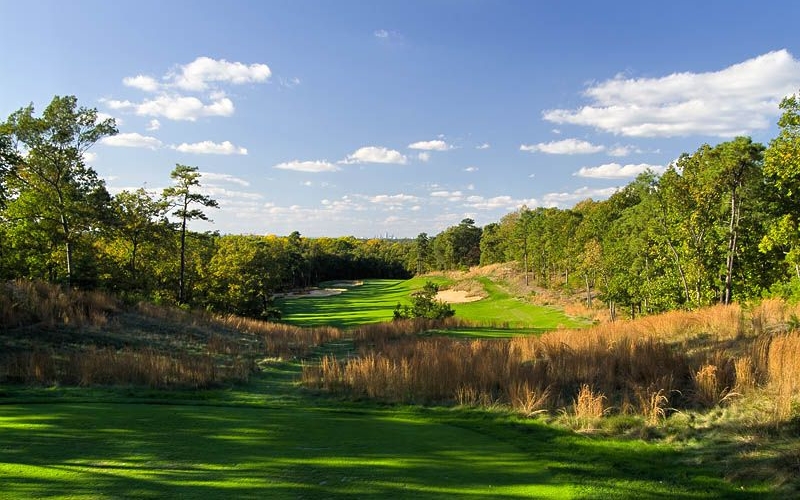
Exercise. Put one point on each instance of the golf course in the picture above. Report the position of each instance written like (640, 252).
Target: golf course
(270, 436)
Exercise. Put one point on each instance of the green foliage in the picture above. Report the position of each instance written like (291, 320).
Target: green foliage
(54, 196)
(182, 196)
(424, 304)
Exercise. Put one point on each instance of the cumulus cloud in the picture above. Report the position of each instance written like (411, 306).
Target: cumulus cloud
(732, 101)
(308, 166)
(213, 177)
(623, 150)
(485, 145)
(376, 154)
(101, 117)
(435, 145)
(504, 202)
(142, 82)
(203, 75)
(199, 74)
(211, 148)
(132, 140)
(580, 194)
(471, 169)
(176, 107)
(393, 199)
(424, 156)
(563, 147)
(381, 34)
(153, 125)
(448, 195)
(89, 157)
(617, 171)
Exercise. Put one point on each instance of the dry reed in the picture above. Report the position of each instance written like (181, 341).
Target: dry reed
(650, 366)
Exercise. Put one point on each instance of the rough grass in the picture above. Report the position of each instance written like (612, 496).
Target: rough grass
(716, 390)
(50, 336)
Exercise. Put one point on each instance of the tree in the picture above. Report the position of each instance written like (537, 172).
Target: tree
(422, 247)
(424, 305)
(738, 165)
(137, 217)
(782, 168)
(182, 196)
(51, 187)
(9, 159)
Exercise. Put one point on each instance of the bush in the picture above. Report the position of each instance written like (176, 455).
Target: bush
(424, 305)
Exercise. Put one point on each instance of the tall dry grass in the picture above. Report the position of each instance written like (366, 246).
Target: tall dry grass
(182, 348)
(651, 366)
(25, 302)
(140, 367)
(783, 364)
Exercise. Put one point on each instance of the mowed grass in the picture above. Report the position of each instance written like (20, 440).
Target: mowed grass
(501, 314)
(271, 440)
(371, 302)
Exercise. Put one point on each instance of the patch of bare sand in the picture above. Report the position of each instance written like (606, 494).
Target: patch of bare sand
(456, 296)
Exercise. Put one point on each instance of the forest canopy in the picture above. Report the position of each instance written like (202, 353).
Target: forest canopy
(719, 224)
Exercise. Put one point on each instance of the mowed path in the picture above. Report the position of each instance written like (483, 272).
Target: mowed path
(97, 450)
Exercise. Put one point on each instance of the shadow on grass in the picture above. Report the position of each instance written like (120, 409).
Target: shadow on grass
(310, 450)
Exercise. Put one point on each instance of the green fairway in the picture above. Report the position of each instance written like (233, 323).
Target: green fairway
(271, 440)
(371, 302)
(374, 301)
(502, 308)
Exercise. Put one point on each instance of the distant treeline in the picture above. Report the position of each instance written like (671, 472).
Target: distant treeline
(720, 224)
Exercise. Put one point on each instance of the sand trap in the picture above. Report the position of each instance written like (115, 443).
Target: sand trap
(334, 288)
(345, 284)
(456, 296)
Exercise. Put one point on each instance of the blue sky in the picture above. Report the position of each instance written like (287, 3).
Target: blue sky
(394, 118)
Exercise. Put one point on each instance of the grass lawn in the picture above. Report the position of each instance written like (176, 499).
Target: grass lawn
(375, 300)
(273, 440)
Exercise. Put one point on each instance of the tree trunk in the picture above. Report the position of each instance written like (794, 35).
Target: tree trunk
(588, 291)
(68, 248)
(732, 236)
(181, 282)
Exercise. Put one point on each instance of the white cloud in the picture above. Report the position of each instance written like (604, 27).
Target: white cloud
(142, 82)
(212, 177)
(448, 195)
(308, 166)
(132, 140)
(225, 196)
(564, 147)
(471, 169)
(89, 157)
(424, 156)
(289, 83)
(580, 194)
(485, 145)
(435, 145)
(375, 154)
(101, 117)
(617, 171)
(732, 101)
(393, 199)
(176, 107)
(205, 75)
(153, 125)
(381, 34)
(211, 148)
(199, 74)
(623, 150)
(498, 202)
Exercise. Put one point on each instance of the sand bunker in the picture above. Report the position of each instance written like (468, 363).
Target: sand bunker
(334, 288)
(456, 296)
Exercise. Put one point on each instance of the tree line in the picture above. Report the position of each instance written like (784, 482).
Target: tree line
(719, 224)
